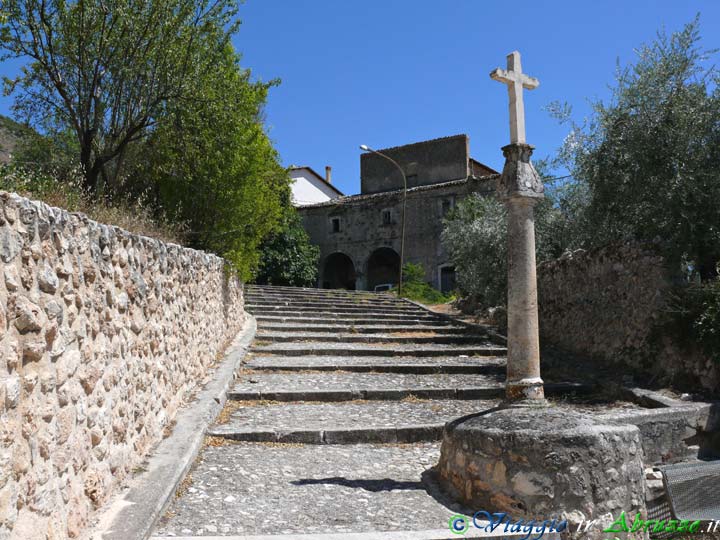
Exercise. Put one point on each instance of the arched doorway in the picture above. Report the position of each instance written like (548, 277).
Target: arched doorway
(383, 268)
(338, 272)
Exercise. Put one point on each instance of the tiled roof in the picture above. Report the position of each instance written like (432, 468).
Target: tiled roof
(350, 199)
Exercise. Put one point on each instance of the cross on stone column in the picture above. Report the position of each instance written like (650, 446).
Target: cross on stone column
(516, 80)
(520, 187)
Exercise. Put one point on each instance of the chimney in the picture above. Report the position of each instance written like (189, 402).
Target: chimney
(328, 174)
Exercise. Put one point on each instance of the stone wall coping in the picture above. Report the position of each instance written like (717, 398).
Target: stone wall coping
(132, 513)
(53, 211)
(699, 411)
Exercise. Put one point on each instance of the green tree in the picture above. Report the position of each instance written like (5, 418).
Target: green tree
(648, 162)
(214, 168)
(107, 70)
(475, 236)
(287, 256)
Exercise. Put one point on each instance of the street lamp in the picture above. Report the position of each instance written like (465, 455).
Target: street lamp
(366, 148)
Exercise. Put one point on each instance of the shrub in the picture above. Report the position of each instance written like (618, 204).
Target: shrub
(415, 288)
(287, 257)
(475, 236)
(697, 317)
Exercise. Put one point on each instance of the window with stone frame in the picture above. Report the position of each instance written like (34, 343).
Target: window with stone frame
(335, 225)
(387, 216)
(446, 205)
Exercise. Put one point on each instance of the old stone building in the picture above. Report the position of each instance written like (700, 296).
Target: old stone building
(359, 235)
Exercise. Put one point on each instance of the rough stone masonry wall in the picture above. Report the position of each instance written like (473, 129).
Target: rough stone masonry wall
(103, 334)
(607, 304)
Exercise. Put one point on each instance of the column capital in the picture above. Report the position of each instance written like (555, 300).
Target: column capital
(519, 178)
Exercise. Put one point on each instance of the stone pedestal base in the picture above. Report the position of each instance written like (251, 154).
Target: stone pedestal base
(544, 463)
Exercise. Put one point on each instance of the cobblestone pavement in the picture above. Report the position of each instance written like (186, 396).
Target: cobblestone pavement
(253, 381)
(350, 415)
(444, 364)
(380, 349)
(359, 329)
(244, 488)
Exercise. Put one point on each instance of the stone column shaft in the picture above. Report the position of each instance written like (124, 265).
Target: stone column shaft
(520, 187)
(523, 357)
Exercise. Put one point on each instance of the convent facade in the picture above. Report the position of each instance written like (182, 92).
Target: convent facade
(359, 235)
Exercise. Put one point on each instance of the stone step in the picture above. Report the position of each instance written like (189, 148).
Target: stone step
(280, 492)
(311, 306)
(356, 349)
(394, 337)
(308, 292)
(378, 364)
(352, 320)
(395, 310)
(348, 386)
(345, 316)
(272, 301)
(333, 306)
(440, 327)
(345, 422)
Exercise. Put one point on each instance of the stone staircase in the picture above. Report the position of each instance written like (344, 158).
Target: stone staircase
(416, 391)
(335, 419)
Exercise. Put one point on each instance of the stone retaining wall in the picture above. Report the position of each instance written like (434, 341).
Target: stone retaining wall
(607, 303)
(103, 335)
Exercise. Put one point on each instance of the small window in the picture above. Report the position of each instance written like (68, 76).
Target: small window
(386, 217)
(446, 205)
(335, 222)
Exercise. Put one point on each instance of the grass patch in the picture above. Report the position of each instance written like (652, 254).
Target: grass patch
(417, 289)
(68, 194)
(424, 294)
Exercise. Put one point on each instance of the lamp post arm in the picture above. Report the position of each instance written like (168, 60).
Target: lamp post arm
(402, 224)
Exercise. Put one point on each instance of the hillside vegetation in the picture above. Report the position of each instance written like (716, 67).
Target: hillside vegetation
(11, 136)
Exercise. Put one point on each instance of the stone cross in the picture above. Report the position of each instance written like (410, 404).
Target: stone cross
(520, 187)
(516, 80)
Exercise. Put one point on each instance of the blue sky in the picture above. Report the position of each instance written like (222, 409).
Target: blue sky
(391, 72)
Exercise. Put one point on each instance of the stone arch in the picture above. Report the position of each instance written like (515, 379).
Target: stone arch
(383, 267)
(338, 272)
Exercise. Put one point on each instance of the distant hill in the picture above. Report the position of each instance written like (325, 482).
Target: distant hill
(11, 133)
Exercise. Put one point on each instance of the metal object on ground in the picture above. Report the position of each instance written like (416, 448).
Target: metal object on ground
(692, 490)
